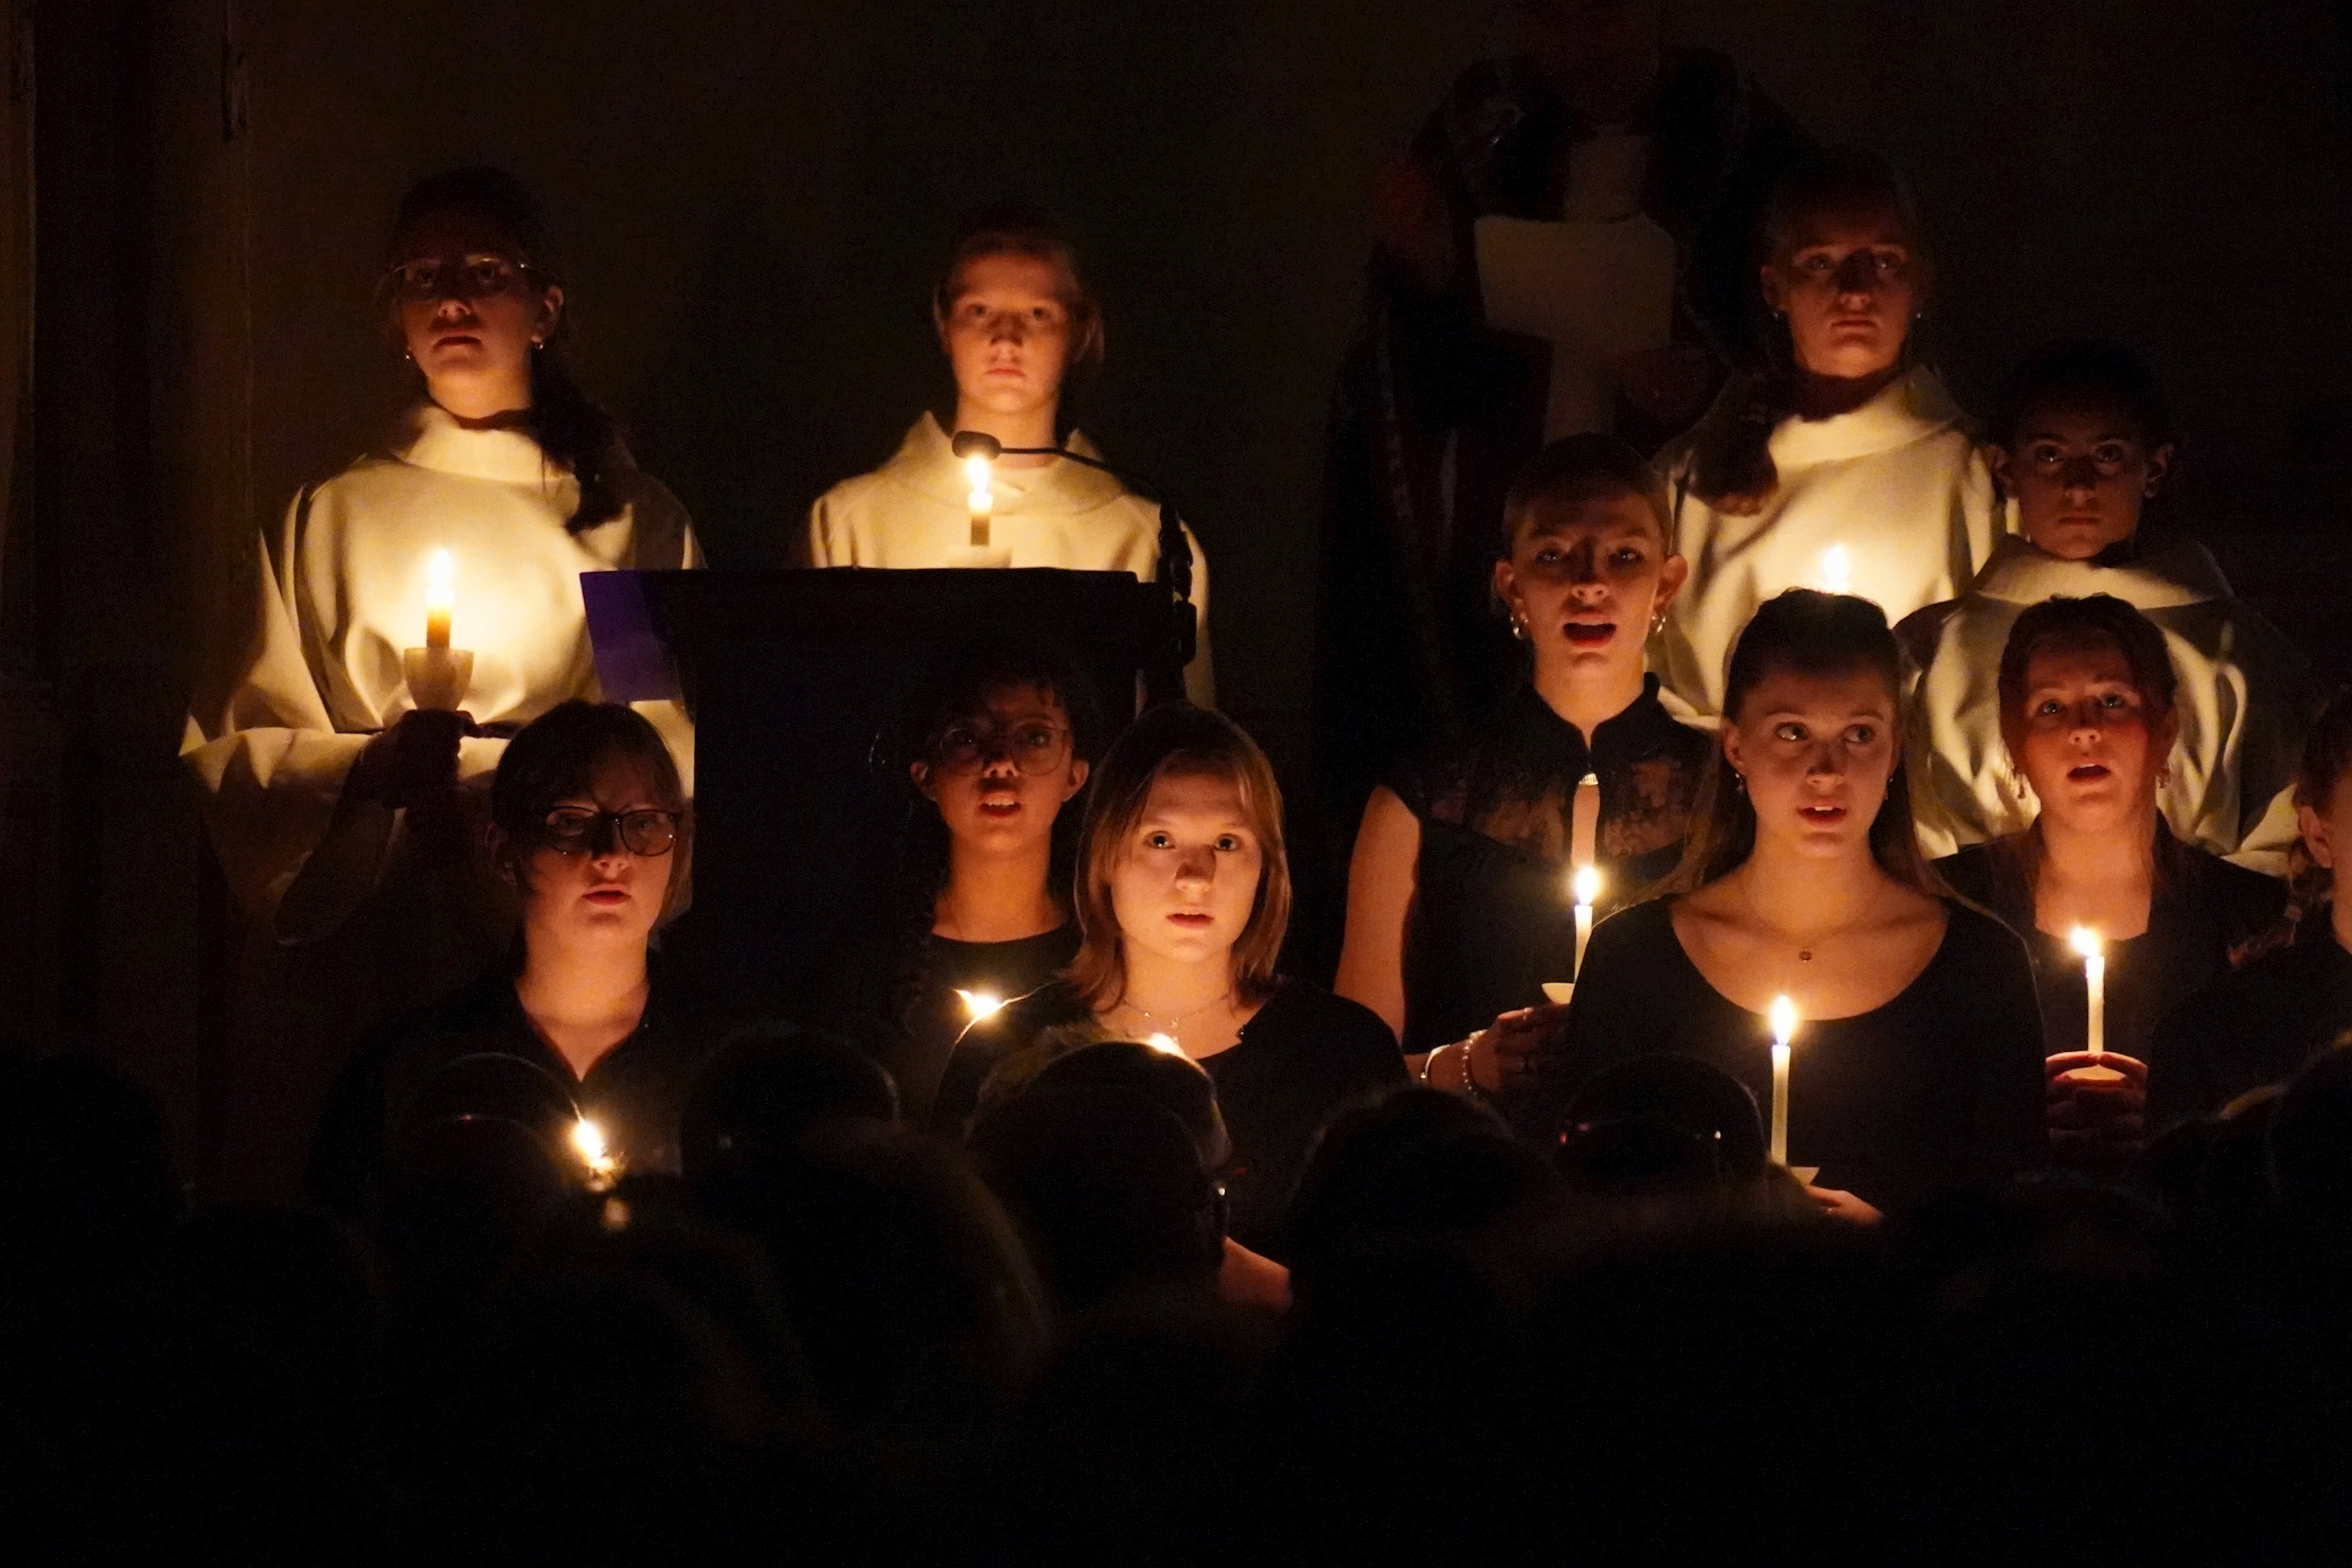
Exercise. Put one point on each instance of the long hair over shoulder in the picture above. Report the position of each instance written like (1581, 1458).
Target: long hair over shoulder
(572, 428)
(1802, 632)
(1731, 467)
(1177, 740)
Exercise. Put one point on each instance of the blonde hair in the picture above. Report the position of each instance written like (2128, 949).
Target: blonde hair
(1176, 741)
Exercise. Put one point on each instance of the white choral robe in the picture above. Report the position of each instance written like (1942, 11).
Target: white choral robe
(2241, 700)
(340, 943)
(915, 511)
(1899, 484)
(342, 593)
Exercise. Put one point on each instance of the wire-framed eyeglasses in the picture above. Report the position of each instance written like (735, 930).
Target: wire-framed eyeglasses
(476, 277)
(1033, 747)
(575, 830)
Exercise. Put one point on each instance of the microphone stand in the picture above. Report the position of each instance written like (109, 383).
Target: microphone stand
(1175, 570)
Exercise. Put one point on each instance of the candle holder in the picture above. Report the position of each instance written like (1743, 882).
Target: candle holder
(437, 677)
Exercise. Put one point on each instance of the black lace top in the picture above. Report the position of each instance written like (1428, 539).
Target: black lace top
(1493, 918)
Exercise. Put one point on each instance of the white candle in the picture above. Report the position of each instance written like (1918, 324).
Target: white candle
(982, 499)
(1837, 570)
(1783, 1015)
(1586, 887)
(440, 597)
(2094, 980)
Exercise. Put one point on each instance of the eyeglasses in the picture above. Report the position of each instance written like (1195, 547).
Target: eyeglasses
(1035, 749)
(476, 277)
(570, 830)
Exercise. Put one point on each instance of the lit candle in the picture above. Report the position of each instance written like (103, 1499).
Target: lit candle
(981, 1004)
(1585, 885)
(1783, 1014)
(2094, 980)
(983, 499)
(1164, 1043)
(588, 1140)
(1837, 570)
(439, 598)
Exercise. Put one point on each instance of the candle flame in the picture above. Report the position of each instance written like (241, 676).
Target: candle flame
(589, 1139)
(440, 574)
(1783, 1014)
(2084, 941)
(981, 1004)
(1164, 1043)
(979, 471)
(1585, 885)
(1837, 570)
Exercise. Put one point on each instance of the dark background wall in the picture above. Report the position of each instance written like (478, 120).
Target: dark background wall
(753, 195)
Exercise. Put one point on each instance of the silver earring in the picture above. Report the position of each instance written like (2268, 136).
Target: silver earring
(1519, 629)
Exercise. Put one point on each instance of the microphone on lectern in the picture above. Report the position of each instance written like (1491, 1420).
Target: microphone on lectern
(1175, 555)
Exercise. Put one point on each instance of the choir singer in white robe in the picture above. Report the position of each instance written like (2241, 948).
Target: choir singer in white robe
(347, 815)
(1844, 466)
(2082, 441)
(1014, 318)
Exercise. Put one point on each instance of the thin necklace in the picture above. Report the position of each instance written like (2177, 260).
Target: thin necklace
(1805, 945)
(1174, 1021)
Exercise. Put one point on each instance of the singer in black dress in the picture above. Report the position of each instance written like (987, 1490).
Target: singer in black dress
(1917, 1059)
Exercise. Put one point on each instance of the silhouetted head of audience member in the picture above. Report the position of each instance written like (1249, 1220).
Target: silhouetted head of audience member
(767, 1086)
(86, 1177)
(1166, 1077)
(1415, 1168)
(1661, 1127)
(2310, 1139)
(1106, 1183)
(909, 1286)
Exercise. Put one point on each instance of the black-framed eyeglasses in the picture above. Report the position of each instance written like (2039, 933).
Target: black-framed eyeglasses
(1034, 748)
(476, 277)
(575, 830)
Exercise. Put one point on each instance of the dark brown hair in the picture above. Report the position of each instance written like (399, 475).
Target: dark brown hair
(2326, 752)
(2083, 372)
(555, 758)
(570, 426)
(2099, 618)
(1582, 464)
(1011, 228)
(1177, 740)
(1811, 633)
(1731, 466)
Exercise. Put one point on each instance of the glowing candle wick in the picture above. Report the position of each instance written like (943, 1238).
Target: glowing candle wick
(981, 1004)
(588, 1139)
(1585, 885)
(1837, 570)
(982, 501)
(1783, 1015)
(440, 597)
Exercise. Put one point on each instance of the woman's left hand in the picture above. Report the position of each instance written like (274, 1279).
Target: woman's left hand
(1844, 1205)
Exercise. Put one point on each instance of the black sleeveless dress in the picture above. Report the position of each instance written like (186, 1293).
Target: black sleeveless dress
(1493, 917)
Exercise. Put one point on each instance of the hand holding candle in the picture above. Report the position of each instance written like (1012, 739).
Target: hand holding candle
(1783, 1017)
